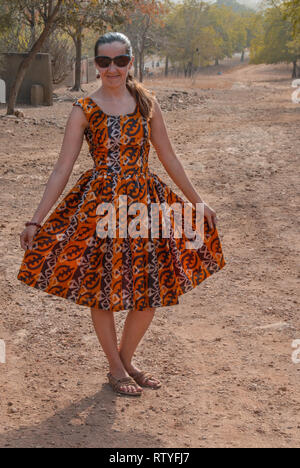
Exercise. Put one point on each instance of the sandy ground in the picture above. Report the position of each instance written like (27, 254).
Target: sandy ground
(224, 354)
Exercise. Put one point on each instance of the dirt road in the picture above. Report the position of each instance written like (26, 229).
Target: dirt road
(224, 354)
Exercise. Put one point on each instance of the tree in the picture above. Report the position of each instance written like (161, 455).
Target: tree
(187, 36)
(230, 31)
(199, 33)
(274, 42)
(60, 48)
(52, 12)
(291, 11)
(141, 28)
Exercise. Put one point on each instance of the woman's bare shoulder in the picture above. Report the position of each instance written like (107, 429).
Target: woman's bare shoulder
(80, 117)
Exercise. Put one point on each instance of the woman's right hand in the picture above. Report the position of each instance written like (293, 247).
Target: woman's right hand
(26, 237)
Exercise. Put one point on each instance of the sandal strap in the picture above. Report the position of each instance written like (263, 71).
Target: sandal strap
(144, 375)
(123, 380)
(126, 380)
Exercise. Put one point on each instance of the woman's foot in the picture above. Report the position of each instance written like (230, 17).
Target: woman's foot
(126, 387)
(144, 378)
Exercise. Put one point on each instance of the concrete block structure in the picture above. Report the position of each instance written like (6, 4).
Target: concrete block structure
(37, 83)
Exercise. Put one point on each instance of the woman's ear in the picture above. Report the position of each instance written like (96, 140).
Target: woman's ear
(98, 74)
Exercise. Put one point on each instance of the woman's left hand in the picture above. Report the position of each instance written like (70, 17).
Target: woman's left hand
(210, 215)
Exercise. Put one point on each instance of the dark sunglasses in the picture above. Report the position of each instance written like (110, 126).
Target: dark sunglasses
(120, 60)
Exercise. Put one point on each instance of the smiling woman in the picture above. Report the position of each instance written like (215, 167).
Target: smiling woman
(119, 87)
(65, 256)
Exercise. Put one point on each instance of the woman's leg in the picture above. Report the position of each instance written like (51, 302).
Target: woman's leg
(136, 324)
(104, 324)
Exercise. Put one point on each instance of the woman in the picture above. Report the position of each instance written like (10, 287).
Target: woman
(68, 256)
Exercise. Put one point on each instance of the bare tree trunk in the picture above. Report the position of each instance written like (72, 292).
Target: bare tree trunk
(142, 49)
(78, 45)
(140, 66)
(243, 55)
(24, 65)
(167, 66)
(294, 72)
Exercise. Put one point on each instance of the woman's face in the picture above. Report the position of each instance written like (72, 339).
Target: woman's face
(113, 76)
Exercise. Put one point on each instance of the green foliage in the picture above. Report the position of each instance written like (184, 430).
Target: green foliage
(273, 42)
(230, 30)
(7, 23)
(198, 32)
(186, 30)
(291, 12)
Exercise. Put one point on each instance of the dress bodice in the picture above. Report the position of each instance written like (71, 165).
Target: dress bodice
(118, 144)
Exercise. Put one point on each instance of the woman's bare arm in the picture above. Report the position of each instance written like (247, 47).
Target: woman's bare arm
(70, 150)
(160, 140)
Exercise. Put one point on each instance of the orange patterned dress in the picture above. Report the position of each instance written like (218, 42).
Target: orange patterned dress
(70, 259)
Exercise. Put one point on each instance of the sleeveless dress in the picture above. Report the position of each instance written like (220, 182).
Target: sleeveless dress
(70, 259)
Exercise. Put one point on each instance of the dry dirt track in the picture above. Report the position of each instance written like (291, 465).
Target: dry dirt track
(224, 353)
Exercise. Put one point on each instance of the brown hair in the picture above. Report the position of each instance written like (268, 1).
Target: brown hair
(143, 96)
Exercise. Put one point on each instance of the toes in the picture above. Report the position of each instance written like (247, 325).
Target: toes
(129, 388)
(154, 382)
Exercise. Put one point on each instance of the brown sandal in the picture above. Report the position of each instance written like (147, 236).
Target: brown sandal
(142, 377)
(116, 385)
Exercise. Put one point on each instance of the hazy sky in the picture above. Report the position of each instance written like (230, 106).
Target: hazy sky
(250, 3)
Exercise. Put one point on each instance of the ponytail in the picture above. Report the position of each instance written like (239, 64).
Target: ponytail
(142, 95)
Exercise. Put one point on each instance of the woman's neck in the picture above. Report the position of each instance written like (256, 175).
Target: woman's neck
(115, 95)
